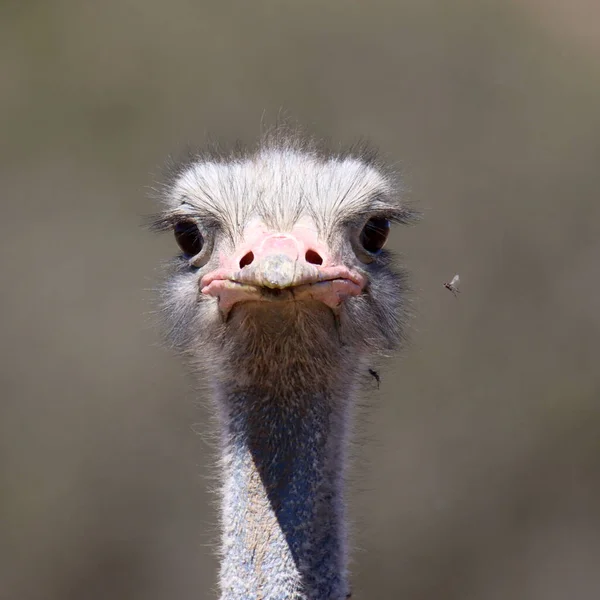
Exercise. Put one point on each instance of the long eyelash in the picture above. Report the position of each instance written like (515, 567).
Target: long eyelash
(167, 221)
(159, 222)
(404, 216)
(378, 229)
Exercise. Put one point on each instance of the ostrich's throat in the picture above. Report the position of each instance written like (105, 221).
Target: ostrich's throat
(282, 504)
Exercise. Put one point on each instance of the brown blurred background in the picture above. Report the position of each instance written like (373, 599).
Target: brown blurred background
(478, 465)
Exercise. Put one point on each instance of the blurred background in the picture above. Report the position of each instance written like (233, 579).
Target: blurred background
(477, 470)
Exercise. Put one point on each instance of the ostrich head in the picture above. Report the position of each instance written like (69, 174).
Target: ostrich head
(281, 298)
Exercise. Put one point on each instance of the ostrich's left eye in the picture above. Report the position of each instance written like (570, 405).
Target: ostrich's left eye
(374, 235)
(188, 237)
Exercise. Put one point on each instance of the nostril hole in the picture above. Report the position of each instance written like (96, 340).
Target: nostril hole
(246, 260)
(313, 258)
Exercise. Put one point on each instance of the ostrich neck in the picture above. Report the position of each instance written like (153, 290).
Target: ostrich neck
(282, 511)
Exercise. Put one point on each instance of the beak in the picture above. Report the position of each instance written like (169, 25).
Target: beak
(279, 267)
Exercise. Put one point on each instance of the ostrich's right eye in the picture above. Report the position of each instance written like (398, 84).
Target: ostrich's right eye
(188, 237)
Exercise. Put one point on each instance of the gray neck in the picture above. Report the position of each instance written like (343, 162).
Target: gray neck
(282, 511)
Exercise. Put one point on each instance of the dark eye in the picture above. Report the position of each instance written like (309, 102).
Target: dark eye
(374, 235)
(188, 237)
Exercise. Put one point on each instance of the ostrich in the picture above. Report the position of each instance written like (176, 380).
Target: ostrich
(281, 299)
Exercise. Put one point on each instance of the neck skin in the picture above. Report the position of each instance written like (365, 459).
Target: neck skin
(282, 506)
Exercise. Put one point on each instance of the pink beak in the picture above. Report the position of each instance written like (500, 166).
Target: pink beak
(295, 263)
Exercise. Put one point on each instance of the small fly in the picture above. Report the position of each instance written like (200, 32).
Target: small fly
(375, 376)
(453, 285)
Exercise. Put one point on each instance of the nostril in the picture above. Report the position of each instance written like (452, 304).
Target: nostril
(313, 258)
(246, 260)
